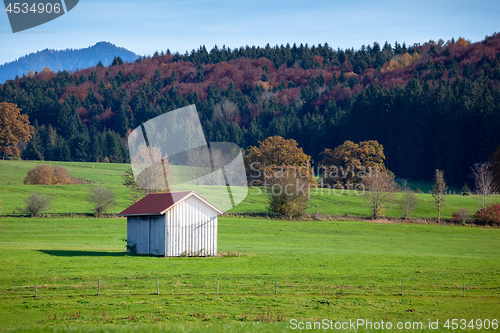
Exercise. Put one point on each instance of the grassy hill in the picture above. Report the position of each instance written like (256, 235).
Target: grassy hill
(66, 198)
(72, 198)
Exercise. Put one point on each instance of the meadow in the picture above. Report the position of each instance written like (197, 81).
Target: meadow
(338, 270)
(310, 260)
(72, 198)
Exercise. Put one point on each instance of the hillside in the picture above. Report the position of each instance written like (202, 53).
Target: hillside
(64, 60)
(435, 105)
(73, 198)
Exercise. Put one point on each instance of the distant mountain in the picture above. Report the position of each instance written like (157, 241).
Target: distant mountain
(68, 59)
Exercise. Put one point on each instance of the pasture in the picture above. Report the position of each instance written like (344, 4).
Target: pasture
(272, 271)
(310, 260)
(72, 198)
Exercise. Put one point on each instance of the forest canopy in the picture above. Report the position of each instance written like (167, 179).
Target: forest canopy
(431, 106)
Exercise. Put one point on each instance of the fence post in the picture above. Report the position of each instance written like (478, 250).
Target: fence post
(157, 288)
(402, 288)
(98, 287)
(276, 288)
(464, 291)
(217, 287)
(36, 291)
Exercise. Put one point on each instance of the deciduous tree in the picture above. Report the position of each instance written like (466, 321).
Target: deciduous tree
(276, 154)
(379, 187)
(408, 203)
(14, 127)
(484, 181)
(287, 192)
(152, 177)
(438, 192)
(35, 204)
(350, 162)
(102, 199)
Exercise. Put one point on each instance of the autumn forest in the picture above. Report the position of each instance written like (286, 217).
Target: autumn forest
(435, 105)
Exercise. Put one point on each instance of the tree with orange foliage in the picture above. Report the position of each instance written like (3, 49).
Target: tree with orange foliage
(14, 127)
(349, 163)
(276, 154)
(462, 42)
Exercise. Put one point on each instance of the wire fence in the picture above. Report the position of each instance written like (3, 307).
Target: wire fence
(227, 288)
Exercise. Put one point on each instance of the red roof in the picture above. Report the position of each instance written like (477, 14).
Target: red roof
(155, 203)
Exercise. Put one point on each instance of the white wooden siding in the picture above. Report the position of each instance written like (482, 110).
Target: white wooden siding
(187, 229)
(191, 229)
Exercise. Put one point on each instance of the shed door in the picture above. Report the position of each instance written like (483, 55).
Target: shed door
(157, 236)
(142, 235)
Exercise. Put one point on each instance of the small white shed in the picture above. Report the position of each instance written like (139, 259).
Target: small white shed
(172, 225)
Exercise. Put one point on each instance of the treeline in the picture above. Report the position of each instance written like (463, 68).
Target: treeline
(431, 106)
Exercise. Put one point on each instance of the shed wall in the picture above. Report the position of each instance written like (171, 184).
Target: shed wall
(138, 234)
(147, 233)
(157, 235)
(191, 229)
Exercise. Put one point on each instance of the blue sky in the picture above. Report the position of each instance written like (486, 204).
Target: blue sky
(144, 26)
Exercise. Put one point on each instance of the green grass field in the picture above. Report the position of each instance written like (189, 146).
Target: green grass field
(309, 260)
(72, 198)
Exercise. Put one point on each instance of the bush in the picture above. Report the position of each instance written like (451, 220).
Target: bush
(287, 192)
(462, 216)
(39, 175)
(61, 176)
(46, 175)
(488, 216)
(465, 190)
(408, 203)
(102, 198)
(36, 204)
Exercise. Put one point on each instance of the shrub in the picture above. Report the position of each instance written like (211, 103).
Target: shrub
(465, 190)
(461, 216)
(39, 175)
(131, 247)
(46, 175)
(35, 204)
(287, 192)
(61, 176)
(102, 199)
(488, 216)
(408, 203)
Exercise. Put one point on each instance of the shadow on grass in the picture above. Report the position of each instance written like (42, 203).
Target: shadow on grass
(67, 253)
